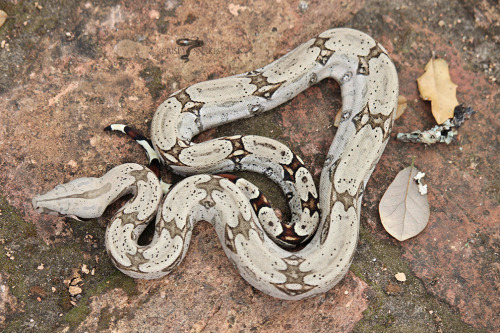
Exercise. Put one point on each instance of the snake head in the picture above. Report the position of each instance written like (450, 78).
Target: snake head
(81, 197)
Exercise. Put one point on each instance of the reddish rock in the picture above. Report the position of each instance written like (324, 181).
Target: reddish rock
(63, 82)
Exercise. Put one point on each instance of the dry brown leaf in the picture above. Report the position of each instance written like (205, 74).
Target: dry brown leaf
(338, 116)
(402, 105)
(435, 85)
(85, 269)
(403, 210)
(392, 288)
(3, 17)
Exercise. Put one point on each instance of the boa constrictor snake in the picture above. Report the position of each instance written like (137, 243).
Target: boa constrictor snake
(245, 224)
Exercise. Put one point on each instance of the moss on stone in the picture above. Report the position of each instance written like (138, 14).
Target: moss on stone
(104, 319)
(412, 310)
(116, 280)
(152, 76)
(22, 253)
(76, 315)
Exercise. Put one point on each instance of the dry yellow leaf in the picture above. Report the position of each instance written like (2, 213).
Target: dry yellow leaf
(435, 85)
(3, 17)
(74, 290)
(401, 277)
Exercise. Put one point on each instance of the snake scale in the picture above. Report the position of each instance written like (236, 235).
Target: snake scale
(324, 223)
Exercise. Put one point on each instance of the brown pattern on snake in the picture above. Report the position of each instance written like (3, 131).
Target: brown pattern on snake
(175, 151)
(171, 227)
(183, 97)
(130, 218)
(264, 88)
(239, 150)
(242, 228)
(311, 203)
(140, 175)
(374, 120)
(291, 169)
(363, 64)
(294, 276)
(324, 53)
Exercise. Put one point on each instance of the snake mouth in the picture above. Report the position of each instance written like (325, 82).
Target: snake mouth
(38, 206)
(42, 210)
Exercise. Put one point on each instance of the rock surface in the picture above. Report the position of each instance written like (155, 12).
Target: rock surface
(68, 69)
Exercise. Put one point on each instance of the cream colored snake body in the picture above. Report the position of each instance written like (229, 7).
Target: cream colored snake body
(246, 226)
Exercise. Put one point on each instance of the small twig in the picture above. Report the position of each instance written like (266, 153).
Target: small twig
(439, 133)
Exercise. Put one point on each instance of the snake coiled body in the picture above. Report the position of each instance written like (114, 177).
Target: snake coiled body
(254, 241)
